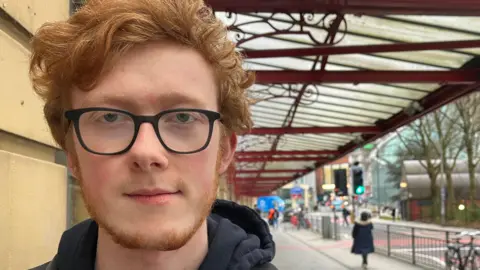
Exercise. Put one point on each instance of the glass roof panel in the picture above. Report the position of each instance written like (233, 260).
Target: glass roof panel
(240, 175)
(285, 63)
(419, 86)
(396, 30)
(320, 91)
(346, 110)
(352, 119)
(458, 23)
(370, 62)
(379, 90)
(335, 104)
(351, 102)
(435, 58)
(276, 175)
(292, 165)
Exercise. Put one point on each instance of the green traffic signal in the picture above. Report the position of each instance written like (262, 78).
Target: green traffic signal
(360, 190)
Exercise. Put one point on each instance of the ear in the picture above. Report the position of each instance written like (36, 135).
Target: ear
(228, 145)
(72, 164)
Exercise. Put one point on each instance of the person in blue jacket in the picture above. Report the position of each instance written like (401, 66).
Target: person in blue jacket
(363, 237)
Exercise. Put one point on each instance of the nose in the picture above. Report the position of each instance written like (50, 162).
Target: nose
(147, 153)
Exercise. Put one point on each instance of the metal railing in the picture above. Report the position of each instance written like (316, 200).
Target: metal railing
(418, 245)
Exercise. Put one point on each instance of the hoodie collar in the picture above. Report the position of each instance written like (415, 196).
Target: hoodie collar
(238, 238)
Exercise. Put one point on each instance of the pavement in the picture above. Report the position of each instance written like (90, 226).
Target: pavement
(430, 239)
(306, 250)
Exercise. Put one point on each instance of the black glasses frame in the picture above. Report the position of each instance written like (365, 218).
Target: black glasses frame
(138, 120)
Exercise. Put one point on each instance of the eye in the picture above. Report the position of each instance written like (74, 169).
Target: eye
(110, 117)
(184, 117)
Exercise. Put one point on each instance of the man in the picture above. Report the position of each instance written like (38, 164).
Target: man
(146, 97)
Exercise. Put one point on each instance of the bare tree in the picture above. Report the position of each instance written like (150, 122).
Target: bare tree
(449, 145)
(469, 122)
(417, 141)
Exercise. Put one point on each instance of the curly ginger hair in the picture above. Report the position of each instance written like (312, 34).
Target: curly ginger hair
(79, 51)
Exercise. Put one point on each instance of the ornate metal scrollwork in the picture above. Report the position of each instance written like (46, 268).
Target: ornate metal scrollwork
(273, 91)
(310, 96)
(248, 142)
(286, 24)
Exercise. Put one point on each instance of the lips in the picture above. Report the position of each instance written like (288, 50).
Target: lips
(151, 192)
(153, 196)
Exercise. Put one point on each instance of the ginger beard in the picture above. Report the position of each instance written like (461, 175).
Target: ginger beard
(174, 238)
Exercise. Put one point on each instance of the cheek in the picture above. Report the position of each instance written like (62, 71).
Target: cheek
(199, 170)
(95, 172)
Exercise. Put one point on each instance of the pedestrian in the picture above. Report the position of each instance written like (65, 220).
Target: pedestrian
(271, 213)
(346, 215)
(393, 213)
(363, 237)
(276, 215)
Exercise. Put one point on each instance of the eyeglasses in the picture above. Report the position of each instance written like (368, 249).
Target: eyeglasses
(106, 131)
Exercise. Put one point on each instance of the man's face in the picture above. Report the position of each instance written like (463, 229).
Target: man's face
(147, 80)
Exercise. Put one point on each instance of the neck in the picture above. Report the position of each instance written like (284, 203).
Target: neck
(111, 255)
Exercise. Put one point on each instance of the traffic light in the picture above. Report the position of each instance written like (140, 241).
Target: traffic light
(360, 190)
(357, 175)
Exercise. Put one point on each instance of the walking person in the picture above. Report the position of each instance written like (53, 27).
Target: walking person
(346, 215)
(276, 215)
(271, 217)
(363, 238)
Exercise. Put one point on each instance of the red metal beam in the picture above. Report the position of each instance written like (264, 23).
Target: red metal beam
(314, 130)
(261, 179)
(367, 7)
(272, 171)
(288, 153)
(399, 76)
(258, 189)
(273, 159)
(250, 194)
(362, 49)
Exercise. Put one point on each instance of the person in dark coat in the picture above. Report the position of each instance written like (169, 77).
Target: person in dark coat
(363, 237)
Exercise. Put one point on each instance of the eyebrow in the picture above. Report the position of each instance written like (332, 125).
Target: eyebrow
(163, 101)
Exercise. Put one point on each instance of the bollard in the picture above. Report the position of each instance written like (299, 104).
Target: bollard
(326, 227)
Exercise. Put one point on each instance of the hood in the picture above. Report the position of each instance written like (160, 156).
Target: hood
(238, 238)
(363, 223)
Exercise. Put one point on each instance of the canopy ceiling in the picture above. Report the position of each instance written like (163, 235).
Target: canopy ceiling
(335, 75)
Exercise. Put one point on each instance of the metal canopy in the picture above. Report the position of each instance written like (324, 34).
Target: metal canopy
(333, 75)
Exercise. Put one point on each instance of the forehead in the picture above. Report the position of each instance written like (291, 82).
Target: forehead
(156, 76)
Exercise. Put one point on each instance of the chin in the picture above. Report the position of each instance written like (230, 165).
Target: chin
(160, 236)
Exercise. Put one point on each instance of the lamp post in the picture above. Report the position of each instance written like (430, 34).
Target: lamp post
(442, 185)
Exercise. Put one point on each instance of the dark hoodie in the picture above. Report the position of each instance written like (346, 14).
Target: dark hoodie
(238, 239)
